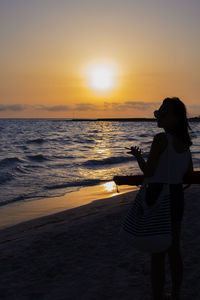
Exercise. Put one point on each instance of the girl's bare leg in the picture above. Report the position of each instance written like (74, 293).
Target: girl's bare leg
(175, 261)
(157, 275)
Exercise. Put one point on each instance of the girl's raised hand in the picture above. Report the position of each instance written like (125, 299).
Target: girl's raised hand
(134, 151)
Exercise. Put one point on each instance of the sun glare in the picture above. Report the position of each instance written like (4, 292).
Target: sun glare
(110, 186)
(101, 77)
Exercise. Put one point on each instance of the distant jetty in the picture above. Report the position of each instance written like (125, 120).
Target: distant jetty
(194, 119)
(119, 119)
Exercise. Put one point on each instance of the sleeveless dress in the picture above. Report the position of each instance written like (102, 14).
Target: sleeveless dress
(177, 165)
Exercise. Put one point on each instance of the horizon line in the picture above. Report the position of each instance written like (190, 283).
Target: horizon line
(196, 118)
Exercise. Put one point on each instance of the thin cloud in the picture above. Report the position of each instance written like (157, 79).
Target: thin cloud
(141, 105)
(85, 106)
(192, 109)
(53, 108)
(13, 107)
(138, 105)
(79, 106)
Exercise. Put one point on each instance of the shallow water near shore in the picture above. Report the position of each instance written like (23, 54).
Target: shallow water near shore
(23, 211)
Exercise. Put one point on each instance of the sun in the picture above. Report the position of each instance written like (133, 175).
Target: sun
(101, 77)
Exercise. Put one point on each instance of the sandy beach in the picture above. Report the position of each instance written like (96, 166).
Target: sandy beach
(77, 254)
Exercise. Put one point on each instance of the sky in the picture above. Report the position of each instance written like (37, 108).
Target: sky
(96, 59)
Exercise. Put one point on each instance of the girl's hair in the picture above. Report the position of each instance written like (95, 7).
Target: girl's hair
(181, 129)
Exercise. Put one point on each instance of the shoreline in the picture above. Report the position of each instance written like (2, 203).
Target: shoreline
(23, 211)
(67, 217)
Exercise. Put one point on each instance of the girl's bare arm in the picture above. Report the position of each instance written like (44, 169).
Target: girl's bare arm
(155, 151)
(148, 167)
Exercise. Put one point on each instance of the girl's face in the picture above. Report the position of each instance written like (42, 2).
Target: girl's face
(165, 117)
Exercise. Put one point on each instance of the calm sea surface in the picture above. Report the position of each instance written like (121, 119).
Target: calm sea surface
(46, 158)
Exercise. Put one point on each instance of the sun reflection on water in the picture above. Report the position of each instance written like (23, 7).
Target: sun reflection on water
(109, 186)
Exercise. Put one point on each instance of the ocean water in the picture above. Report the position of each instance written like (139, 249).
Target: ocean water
(46, 158)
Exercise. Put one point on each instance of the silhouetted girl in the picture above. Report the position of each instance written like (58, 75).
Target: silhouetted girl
(172, 117)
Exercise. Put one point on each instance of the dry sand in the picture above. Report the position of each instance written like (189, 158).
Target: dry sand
(77, 254)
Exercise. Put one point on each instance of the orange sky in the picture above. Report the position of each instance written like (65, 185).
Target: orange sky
(152, 48)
